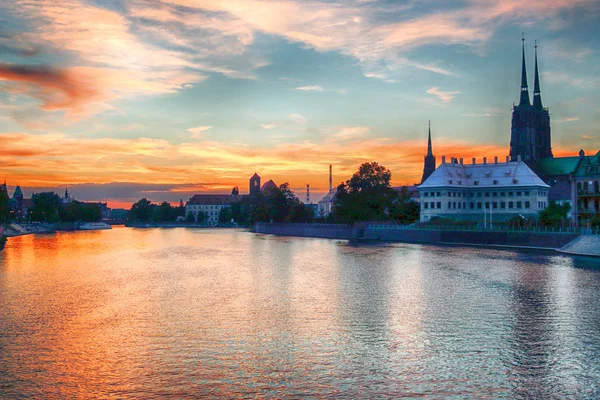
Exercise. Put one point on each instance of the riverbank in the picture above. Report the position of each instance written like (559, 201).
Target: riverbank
(492, 239)
(177, 225)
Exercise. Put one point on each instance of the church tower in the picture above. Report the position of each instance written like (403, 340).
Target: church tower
(542, 118)
(530, 132)
(254, 184)
(429, 164)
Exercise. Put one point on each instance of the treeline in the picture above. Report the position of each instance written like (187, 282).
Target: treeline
(277, 204)
(369, 196)
(146, 211)
(48, 207)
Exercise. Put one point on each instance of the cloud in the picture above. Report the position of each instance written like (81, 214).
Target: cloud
(569, 119)
(478, 115)
(57, 89)
(297, 118)
(268, 126)
(443, 96)
(312, 88)
(348, 133)
(586, 137)
(198, 131)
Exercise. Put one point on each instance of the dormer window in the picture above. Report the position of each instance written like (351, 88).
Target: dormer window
(495, 181)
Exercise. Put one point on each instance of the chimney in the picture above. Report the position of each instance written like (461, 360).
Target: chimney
(461, 161)
(507, 159)
(443, 159)
(307, 193)
(485, 160)
(495, 159)
(519, 158)
(330, 179)
(474, 161)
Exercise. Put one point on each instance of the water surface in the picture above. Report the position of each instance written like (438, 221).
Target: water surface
(134, 313)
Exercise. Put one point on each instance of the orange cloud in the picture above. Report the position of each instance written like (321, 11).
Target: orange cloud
(56, 159)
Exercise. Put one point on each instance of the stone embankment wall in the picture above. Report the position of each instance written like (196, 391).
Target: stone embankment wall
(328, 231)
(425, 236)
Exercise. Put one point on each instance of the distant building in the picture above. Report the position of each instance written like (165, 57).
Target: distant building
(211, 204)
(268, 185)
(473, 192)
(429, 162)
(254, 184)
(327, 203)
(67, 197)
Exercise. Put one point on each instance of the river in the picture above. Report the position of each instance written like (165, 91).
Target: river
(183, 313)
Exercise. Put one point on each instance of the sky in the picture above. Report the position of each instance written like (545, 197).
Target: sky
(123, 99)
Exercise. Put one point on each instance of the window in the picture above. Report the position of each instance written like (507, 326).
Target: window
(439, 204)
(503, 194)
(478, 194)
(495, 181)
(425, 194)
(471, 205)
(487, 194)
(526, 193)
(527, 204)
(432, 205)
(459, 205)
(518, 193)
(495, 204)
(502, 204)
(487, 205)
(439, 193)
(449, 205)
(495, 194)
(510, 204)
(519, 204)
(479, 206)
(475, 183)
(510, 193)
(426, 205)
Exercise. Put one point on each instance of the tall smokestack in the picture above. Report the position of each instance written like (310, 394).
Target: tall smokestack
(330, 179)
(307, 193)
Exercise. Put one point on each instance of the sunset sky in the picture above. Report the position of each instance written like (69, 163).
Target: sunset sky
(125, 99)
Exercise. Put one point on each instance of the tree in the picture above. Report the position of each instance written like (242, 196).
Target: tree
(201, 217)
(45, 207)
(163, 212)
(300, 213)
(403, 209)
(235, 191)
(554, 214)
(367, 196)
(4, 206)
(190, 217)
(225, 215)
(141, 211)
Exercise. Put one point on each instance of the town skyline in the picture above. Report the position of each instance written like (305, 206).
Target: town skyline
(134, 97)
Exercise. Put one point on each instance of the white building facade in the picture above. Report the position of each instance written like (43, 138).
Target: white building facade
(211, 204)
(482, 192)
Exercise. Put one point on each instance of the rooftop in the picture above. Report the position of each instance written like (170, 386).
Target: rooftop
(213, 199)
(504, 174)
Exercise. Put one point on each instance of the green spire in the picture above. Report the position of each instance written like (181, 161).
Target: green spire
(524, 89)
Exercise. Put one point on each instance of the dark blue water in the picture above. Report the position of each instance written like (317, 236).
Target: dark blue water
(219, 313)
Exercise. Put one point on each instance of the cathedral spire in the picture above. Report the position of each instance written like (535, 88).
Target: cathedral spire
(537, 96)
(429, 148)
(524, 89)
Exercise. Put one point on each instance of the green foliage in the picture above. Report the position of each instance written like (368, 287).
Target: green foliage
(190, 217)
(76, 211)
(163, 213)
(4, 207)
(142, 211)
(300, 213)
(201, 217)
(225, 215)
(46, 206)
(555, 214)
(367, 196)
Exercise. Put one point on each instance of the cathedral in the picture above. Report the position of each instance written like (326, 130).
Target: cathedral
(530, 130)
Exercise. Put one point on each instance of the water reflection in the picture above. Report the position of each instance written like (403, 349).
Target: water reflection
(136, 313)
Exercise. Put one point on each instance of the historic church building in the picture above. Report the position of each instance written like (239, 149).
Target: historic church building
(530, 131)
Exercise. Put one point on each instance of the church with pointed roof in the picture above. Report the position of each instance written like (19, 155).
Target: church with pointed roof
(530, 131)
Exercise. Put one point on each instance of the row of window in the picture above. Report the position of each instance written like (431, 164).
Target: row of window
(205, 207)
(484, 194)
(454, 205)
